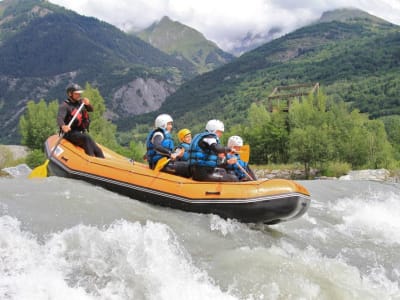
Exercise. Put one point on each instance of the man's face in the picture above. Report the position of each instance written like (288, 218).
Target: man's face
(75, 96)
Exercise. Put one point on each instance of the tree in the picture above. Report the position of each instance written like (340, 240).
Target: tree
(102, 130)
(392, 127)
(266, 133)
(38, 123)
(323, 130)
(380, 151)
(309, 145)
(310, 129)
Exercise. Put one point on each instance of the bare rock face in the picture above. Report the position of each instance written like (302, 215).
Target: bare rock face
(140, 96)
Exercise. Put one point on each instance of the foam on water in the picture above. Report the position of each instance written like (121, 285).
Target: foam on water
(70, 240)
(374, 215)
(123, 261)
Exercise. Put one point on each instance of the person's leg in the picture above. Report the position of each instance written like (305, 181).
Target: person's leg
(86, 142)
(96, 149)
(200, 173)
(79, 139)
(180, 168)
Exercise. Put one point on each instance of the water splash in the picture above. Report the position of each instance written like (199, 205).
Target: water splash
(123, 261)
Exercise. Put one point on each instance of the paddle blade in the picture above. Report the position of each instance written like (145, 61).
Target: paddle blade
(40, 171)
(162, 162)
(245, 153)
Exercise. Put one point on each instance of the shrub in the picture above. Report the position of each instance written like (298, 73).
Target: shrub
(35, 158)
(336, 169)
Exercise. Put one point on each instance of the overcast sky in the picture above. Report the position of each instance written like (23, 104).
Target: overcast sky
(225, 21)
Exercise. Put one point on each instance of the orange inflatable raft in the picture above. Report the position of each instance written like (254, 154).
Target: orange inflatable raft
(260, 201)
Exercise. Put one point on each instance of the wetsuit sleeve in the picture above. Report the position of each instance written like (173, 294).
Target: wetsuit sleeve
(62, 113)
(218, 148)
(157, 140)
(211, 143)
(89, 107)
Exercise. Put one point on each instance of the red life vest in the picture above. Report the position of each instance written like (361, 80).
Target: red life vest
(82, 121)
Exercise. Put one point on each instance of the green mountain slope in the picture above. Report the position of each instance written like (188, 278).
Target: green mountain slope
(43, 47)
(184, 42)
(45, 39)
(353, 56)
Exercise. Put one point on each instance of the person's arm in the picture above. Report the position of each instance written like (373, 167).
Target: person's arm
(157, 140)
(212, 144)
(88, 106)
(62, 113)
(218, 148)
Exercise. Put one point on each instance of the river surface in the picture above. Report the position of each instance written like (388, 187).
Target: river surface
(66, 239)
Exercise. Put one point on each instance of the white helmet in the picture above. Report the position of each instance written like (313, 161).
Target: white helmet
(162, 121)
(235, 140)
(214, 125)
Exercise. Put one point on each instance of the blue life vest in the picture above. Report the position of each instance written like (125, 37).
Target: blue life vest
(202, 157)
(186, 155)
(152, 155)
(239, 173)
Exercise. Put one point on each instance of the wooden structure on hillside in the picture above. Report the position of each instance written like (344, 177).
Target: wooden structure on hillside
(282, 97)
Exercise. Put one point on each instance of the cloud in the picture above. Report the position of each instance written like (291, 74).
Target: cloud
(226, 22)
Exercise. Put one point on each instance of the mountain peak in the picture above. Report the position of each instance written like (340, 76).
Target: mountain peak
(349, 15)
(186, 43)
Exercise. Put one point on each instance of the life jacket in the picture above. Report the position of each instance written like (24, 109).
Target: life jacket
(239, 173)
(185, 146)
(202, 157)
(82, 121)
(152, 155)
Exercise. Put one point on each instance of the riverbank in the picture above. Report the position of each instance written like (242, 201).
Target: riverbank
(18, 152)
(298, 174)
(10, 156)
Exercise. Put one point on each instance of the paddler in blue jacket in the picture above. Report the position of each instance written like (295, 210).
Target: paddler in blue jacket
(208, 156)
(159, 144)
(238, 166)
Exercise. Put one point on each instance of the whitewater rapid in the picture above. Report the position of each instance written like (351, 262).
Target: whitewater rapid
(66, 239)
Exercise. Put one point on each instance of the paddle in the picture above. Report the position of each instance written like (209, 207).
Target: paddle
(41, 171)
(161, 163)
(244, 153)
(244, 171)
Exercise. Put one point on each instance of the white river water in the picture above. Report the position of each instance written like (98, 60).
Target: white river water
(66, 239)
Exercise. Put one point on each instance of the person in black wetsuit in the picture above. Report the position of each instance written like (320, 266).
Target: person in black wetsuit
(76, 134)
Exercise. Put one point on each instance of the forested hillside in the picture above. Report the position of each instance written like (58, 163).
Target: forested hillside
(349, 122)
(354, 57)
(43, 47)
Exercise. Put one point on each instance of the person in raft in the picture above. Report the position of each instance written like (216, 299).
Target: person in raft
(159, 144)
(207, 156)
(185, 138)
(77, 133)
(240, 167)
